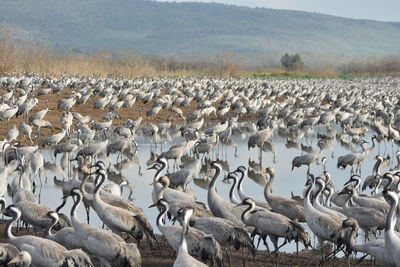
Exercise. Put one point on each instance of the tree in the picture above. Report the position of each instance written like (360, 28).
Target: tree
(292, 62)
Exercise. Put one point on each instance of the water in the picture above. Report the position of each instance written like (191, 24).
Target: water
(286, 182)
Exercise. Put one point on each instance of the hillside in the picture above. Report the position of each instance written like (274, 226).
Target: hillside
(198, 30)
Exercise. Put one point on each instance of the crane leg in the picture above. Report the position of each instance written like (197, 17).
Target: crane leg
(227, 254)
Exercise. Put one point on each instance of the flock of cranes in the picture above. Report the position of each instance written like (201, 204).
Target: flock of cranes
(97, 128)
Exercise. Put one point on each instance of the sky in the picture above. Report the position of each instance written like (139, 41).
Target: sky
(382, 10)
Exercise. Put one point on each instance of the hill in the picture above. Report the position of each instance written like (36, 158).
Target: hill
(199, 30)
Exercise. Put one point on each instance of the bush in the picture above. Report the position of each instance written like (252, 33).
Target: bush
(292, 62)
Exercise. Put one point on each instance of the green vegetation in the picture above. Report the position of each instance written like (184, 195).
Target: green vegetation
(292, 62)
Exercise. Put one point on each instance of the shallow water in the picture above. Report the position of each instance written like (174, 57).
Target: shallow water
(286, 181)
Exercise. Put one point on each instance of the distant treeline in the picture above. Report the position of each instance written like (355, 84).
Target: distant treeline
(17, 56)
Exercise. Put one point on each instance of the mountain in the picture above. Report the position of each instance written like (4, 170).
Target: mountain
(198, 30)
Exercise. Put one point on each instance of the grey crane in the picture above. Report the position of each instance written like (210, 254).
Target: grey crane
(55, 138)
(8, 114)
(259, 138)
(306, 159)
(40, 114)
(44, 252)
(39, 123)
(199, 244)
(218, 206)
(26, 129)
(169, 194)
(119, 220)
(65, 104)
(184, 176)
(243, 171)
(226, 232)
(12, 134)
(352, 159)
(392, 241)
(285, 206)
(200, 209)
(65, 236)
(375, 248)
(108, 247)
(324, 226)
(274, 224)
(184, 259)
(101, 103)
(36, 163)
(368, 218)
(368, 202)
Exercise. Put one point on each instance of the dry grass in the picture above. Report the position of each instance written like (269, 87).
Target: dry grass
(17, 56)
(389, 65)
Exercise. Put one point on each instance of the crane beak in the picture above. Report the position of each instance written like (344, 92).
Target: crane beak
(175, 218)
(2, 211)
(14, 260)
(151, 206)
(348, 182)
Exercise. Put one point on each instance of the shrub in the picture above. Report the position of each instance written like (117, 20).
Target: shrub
(292, 62)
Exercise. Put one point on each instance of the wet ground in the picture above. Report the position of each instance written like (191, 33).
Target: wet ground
(162, 255)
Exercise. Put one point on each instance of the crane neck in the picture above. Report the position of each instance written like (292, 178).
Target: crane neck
(75, 206)
(20, 184)
(375, 191)
(158, 173)
(378, 163)
(183, 244)
(348, 201)
(62, 205)
(307, 195)
(214, 179)
(250, 208)
(318, 194)
(82, 187)
(185, 230)
(162, 214)
(391, 218)
(164, 188)
(268, 186)
(328, 199)
(356, 185)
(353, 235)
(49, 227)
(389, 182)
(240, 184)
(100, 183)
(15, 218)
(232, 193)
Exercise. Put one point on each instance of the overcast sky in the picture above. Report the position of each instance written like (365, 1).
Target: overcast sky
(383, 10)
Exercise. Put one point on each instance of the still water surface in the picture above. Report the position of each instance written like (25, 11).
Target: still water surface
(286, 181)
